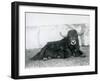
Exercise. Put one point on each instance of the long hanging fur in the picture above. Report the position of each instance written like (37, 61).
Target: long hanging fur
(39, 55)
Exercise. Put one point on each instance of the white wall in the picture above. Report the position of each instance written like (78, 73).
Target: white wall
(5, 40)
(42, 28)
(38, 36)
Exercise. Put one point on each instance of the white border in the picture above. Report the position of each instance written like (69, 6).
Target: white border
(37, 71)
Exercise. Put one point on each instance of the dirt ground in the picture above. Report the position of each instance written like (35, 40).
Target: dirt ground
(71, 61)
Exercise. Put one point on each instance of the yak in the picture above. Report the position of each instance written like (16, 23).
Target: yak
(64, 48)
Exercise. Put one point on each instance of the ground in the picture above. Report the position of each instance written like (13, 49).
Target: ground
(72, 61)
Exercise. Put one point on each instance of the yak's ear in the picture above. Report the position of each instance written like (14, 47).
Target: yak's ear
(67, 40)
(68, 37)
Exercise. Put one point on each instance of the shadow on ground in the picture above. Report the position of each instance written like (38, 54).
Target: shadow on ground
(72, 61)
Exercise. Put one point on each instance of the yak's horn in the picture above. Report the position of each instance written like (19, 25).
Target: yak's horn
(80, 34)
(61, 35)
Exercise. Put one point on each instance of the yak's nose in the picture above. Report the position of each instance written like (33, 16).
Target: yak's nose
(73, 42)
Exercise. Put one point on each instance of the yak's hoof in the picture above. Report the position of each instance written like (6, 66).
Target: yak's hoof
(45, 59)
(58, 56)
(49, 57)
(83, 55)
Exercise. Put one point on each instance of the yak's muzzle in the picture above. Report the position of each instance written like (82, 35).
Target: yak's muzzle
(73, 42)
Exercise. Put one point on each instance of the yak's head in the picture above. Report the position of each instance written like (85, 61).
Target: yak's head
(72, 37)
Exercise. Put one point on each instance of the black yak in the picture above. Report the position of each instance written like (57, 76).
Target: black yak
(68, 46)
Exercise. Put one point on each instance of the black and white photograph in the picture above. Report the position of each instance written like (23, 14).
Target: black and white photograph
(57, 40)
(51, 40)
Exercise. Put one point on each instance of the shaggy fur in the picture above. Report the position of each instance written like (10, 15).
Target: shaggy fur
(73, 43)
(68, 46)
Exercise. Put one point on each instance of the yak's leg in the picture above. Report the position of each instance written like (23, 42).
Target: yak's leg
(48, 54)
(79, 53)
(67, 53)
(60, 55)
(45, 55)
(82, 54)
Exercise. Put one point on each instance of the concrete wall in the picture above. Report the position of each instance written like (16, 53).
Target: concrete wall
(38, 36)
